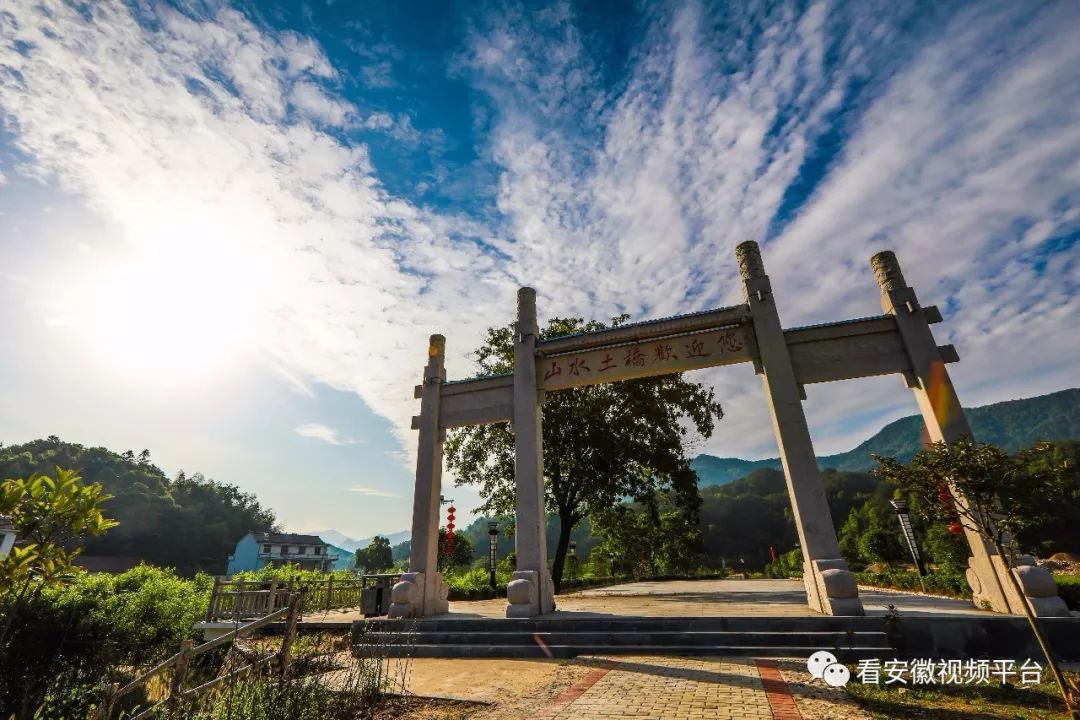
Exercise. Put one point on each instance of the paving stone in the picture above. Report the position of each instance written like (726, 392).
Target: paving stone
(664, 688)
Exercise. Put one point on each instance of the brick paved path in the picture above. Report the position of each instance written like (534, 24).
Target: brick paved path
(682, 688)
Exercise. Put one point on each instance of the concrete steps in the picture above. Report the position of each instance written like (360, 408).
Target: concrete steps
(853, 638)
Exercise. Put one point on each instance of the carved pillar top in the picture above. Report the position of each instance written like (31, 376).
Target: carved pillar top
(436, 357)
(436, 346)
(526, 312)
(887, 270)
(749, 256)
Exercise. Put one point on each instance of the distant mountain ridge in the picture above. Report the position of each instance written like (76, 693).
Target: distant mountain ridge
(1012, 424)
(343, 541)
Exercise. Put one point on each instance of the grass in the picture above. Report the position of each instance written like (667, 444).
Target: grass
(1069, 588)
(960, 702)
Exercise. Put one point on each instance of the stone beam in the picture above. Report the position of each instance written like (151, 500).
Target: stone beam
(648, 358)
(644, 331)
(845, 350)
(477, 402)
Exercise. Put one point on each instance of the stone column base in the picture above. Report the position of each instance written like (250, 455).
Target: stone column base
(418, 594)
(529, 594)
(1040, 591)
(831, 588)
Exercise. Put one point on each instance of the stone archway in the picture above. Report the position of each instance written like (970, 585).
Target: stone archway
(897, 342)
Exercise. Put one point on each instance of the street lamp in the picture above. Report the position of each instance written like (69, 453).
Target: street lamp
(573, 548)
(901, 508)
(493, 535)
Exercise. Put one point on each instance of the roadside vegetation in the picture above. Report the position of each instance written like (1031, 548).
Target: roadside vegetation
(960, 702)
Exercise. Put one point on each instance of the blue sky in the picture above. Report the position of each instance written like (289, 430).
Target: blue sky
(226, 230)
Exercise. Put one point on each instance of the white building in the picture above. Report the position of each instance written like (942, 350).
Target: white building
(7, 537)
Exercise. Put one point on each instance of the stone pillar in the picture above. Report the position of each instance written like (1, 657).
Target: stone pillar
(422, 590)
(946, 422)
(830, 586)
(531, 591)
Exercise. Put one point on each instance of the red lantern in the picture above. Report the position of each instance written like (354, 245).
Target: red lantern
(450, 530)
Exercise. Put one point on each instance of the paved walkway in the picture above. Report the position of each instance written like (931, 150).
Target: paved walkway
(699, 598)
(662, 688)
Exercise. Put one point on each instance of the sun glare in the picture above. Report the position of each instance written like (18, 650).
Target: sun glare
(179, 308)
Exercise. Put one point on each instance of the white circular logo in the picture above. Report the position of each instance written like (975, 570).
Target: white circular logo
(819, 661)
(837, 675)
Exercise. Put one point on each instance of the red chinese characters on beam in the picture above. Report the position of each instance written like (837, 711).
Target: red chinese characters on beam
(696, 349)
(671, 354)
(577, 365)
(730, 341)
(662, 351)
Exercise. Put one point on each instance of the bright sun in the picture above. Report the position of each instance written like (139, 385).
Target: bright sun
(177, 310)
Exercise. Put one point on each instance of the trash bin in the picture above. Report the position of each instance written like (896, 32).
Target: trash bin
(371, 601)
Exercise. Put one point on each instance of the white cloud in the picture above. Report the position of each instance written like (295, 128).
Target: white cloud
(632, 200)
(186, 166)
(313, 102)
(3, 179)
(322, 432)
(373, 492)
(975, 134)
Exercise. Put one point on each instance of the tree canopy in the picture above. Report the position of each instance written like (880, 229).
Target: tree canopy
(190, 523)
(376, 556)
(602, 443)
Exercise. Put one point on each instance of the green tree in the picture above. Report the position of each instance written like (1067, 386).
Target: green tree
(376, 556)
(996, 495)
(602, 443)
(877, 544)
(463, 551)
(947, 551)
(190, 523)
(50, 516)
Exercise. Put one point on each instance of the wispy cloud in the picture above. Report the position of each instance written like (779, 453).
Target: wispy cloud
(827, 132)
(341, 263)
(318, 431)
(373, 492)
(828, 135)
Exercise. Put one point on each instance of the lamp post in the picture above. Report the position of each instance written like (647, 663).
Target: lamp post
(901, 508)
(493, 536)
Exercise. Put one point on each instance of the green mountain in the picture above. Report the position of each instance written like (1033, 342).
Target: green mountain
(190, 523)
(1012, 424)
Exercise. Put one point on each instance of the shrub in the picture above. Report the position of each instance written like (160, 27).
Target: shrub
(941, 583)
(82, 631)
(1069, 589)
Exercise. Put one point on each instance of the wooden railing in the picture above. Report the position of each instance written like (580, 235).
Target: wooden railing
(180, 661)
(235, 600)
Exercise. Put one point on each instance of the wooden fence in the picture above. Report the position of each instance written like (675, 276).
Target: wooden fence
(235, 600)
(180, 661)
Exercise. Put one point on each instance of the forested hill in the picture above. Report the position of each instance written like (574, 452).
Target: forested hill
(1012, 424)
(188, 522)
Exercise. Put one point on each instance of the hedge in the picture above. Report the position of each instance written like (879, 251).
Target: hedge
(939, 583)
